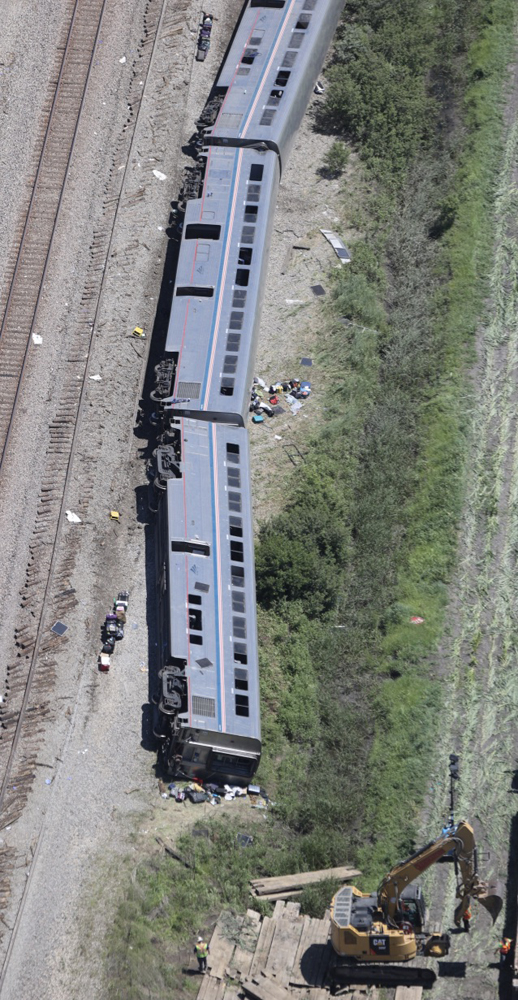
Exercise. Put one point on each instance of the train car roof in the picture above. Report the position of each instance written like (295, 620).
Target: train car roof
(271, 68)
(215, 315)
(211, 579)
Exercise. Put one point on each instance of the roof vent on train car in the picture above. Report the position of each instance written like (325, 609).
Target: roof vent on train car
(204, 662)
(278, 4)
(310, 5)
(188, 390)
(230, 120)
(202, 587)
(205, 707)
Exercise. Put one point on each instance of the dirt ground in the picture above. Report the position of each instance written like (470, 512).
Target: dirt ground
(95, 784)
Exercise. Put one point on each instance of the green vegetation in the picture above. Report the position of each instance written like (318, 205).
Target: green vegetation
(369, 535)
(336, 159)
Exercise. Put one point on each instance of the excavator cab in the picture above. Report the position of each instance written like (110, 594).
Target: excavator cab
(412, 907)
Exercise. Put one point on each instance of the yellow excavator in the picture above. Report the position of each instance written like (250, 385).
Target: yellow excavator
(370, 931)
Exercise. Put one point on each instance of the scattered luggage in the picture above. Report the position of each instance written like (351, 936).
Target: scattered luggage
(291, 390)
(113, 629)
(204, 37)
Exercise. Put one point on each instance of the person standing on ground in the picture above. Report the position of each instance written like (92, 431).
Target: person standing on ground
(504, 948)
(466, 917)
(201, 950)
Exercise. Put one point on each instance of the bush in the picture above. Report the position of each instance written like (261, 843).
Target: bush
(336, 159)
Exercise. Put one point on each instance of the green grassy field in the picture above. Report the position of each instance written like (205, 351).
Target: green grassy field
(350, 694)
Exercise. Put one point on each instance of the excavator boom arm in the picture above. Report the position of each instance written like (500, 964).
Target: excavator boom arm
(460, 841)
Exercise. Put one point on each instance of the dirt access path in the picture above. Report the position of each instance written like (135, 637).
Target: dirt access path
(479, 658)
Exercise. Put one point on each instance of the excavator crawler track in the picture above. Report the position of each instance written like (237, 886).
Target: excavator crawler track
(380, 974)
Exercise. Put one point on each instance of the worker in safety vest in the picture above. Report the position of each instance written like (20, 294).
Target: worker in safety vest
(466, 917)
(504, 948)
(201, 950)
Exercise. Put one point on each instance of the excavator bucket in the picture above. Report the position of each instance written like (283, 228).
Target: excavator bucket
(492, 899)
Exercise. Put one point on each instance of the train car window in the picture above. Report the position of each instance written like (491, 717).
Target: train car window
(239, 298)
(238, 602)
(303, 21)
(234, 477)
(194, 599)
(245, 256)
(282, 78)
(242, 277)
(278, 4)
(289, 58)
(197, 640)
(239, 627)
(235, 529)
(242, 705)
(256, 172)
(236, 321)
(251, 214)
(254, 192)
(230, 364)
(272, 102)
(234, 502)
(202, 231)
(247, 236)
(237, 574)
(267, 117)
(197, 291)
(236, 551)
(227, 387)
(240, 654)
(233, 341)
(195, 619)
(195, 548)
(249, 56)
(310, 5)
(241, 679)
(296, 39)
(232, 449)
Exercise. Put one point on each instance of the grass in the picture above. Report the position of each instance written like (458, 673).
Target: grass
(350, 700)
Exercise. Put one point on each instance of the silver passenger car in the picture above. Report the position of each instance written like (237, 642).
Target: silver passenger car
(271, 69)
(218, 293)
(208, 696)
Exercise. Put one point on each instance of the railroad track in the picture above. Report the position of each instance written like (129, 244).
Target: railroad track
(47, 594)
(20, 315)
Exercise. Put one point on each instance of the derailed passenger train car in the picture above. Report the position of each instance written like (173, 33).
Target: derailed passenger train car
(207, 694)
(219, 287)
(270, 71)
